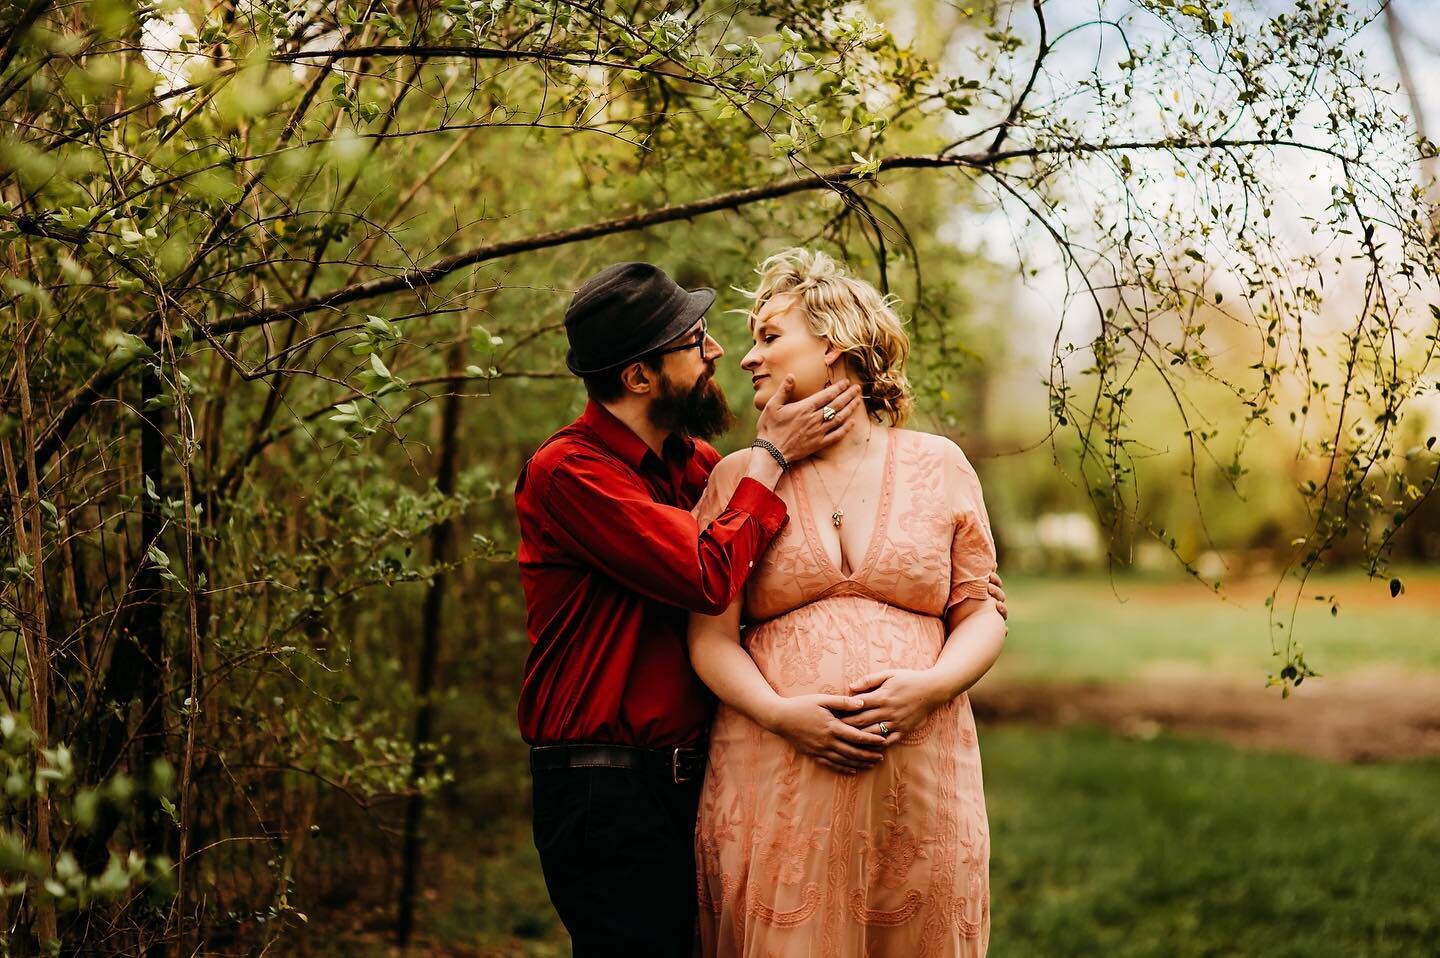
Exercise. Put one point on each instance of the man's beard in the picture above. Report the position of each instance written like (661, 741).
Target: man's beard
(700, 411)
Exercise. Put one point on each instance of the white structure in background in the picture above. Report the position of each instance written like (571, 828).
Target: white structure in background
(160, 40)
(1055, 540)
(1069, 533)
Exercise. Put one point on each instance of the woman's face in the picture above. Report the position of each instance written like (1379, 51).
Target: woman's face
(785, 346)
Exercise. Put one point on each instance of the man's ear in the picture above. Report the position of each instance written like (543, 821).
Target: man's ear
(638, 378)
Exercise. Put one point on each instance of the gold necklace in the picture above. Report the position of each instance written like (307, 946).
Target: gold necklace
(838, 516)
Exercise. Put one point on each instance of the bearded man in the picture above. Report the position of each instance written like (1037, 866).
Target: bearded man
(612, 561)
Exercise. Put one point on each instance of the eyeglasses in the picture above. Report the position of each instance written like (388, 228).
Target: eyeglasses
(697, 344)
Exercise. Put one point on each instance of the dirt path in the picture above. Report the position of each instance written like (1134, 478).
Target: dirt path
(1367, 717)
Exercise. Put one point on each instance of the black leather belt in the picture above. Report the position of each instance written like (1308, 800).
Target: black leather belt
(680, 764)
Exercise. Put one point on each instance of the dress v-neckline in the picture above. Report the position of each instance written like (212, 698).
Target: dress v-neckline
(882, 519)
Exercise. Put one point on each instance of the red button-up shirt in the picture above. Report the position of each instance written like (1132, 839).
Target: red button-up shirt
(612, 562)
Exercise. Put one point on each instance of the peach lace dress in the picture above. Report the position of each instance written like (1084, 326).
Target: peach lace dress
(792, 858)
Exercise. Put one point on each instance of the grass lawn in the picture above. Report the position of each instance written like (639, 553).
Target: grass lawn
(1110, 847)
(1093, 627)
(1105, 846)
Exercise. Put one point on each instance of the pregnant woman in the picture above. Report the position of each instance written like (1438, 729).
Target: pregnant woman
(843, 811)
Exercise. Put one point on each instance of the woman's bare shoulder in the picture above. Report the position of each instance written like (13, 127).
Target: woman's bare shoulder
(729, 470)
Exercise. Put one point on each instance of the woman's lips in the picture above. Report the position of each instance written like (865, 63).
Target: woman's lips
(755, 380)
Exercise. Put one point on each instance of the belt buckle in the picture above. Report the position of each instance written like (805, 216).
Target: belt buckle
(676, 774)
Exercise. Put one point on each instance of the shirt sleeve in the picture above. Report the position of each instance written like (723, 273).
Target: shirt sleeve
(604, 515)
(972, 545)
(724, 482)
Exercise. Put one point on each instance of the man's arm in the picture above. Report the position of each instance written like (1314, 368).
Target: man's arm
(604, 515)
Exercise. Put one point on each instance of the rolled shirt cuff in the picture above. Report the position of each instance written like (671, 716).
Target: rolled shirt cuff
(762, 503)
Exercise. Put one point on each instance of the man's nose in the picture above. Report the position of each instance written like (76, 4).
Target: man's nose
(713, 349)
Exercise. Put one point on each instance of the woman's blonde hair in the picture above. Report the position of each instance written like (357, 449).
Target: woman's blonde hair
(852, 315)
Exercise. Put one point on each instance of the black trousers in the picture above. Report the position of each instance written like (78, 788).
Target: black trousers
(618, 850)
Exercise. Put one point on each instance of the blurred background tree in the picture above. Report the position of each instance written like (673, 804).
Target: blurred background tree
(282, 294)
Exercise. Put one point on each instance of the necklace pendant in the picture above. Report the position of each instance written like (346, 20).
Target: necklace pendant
(837, 517)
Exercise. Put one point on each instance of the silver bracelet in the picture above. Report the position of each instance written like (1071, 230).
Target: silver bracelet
(769, 447)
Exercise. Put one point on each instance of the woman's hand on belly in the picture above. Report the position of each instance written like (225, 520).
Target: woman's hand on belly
(900, 698)
(810, 723)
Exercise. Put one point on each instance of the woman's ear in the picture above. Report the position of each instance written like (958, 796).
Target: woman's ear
(832, 356)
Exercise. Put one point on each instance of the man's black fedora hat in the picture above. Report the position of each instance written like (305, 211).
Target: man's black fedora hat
(626, 310)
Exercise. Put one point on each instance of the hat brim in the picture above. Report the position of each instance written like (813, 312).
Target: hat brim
(697, 304)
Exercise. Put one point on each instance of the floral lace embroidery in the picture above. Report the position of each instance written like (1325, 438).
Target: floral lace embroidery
(894, 852)
(809, 901)
(874, 916)
(794, 859)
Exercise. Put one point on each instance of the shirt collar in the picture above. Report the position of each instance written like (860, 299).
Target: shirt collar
(621, 439)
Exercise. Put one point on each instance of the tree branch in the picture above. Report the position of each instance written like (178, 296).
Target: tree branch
(22, 27)
(1019, 103)
(94, 389)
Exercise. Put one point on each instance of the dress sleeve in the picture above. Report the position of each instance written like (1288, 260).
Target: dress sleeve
(972, 546)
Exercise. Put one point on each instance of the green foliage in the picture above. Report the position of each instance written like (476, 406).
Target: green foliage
(33, 774)
(250, 258)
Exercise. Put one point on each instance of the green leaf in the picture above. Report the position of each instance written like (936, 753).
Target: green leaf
(381, 326)
(123, 346)
(170, 809)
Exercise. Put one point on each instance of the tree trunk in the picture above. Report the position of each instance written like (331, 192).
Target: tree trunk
(135, 678)
(442, 538)
(1429, 165)
(33, 620)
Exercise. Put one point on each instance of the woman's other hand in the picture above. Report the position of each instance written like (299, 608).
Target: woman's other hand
(809, 723)
(901, 698)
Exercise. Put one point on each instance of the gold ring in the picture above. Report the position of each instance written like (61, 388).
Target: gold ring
(828, 414)
(884, 729)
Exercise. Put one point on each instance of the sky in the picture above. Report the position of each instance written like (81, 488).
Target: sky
(1040, 302)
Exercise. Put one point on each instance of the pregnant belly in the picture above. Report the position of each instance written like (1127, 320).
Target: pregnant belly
(827, 645)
